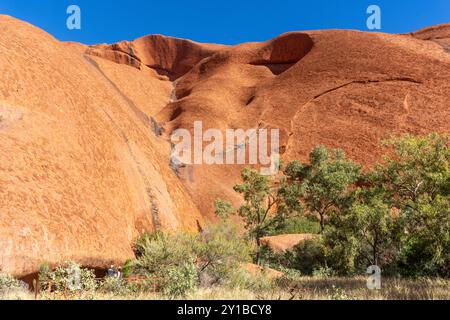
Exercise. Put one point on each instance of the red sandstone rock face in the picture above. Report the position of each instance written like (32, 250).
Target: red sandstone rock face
(168, 56)
(348, 90)
(84, 131)
(439, 34)
(82, 172)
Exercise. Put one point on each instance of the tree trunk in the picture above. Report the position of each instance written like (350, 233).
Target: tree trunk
(258, 250)
(322, 223)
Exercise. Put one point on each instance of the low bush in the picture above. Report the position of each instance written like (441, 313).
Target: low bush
(11, 287)
(244, 280)
(220, 250)
(168, 260)
(305, 258)
(69, 277)
(178, 280)
(115, 286)
(308, 256)
(181, 262)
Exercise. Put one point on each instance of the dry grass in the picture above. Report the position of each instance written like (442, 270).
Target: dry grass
(305, 288)
(356, 289)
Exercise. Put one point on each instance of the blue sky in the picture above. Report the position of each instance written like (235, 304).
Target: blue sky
(227, 21)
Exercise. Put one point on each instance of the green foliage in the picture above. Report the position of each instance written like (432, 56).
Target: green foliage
(69, 277)
(399, 218)
(419, 167)
(289, 278)
(274, 260)
(426, 241)
(115, 286)
(416, 183)
(323, 272)
(263, 206)
(361, 236)
(178, 280)
(169, 260)
(244, 280)
(296, 225)
(304, 258)
(309, 256)
(177, 263)
(128, 268)
(324, 185)
(223, 209)
(220, 249)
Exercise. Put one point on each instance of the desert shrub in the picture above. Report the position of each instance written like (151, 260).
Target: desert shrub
(180, 262)
(8, 282)
(245, 280)
(425, 247)
(362, 236)
(69, 277)
(9, 286)
(289, 278)
(220, 249)
(179, 280)
(323, 272)
(308, 256)
(127, 268)
(271, 259)
(277, 260)
(223, 209)
(304, 258)
(341, 253)
(169, 260)
(115, 286)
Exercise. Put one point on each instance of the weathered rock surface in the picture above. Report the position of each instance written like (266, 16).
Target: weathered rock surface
(84, 148)
(285, 242)
(82, 172)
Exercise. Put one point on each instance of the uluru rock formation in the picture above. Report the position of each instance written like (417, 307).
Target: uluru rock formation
(84, 130)
(286, 242)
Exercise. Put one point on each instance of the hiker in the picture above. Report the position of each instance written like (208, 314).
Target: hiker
(111, 271)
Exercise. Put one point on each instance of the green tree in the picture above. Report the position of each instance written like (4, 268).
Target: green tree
(426, 239)
(418, 168)
(263, 206)
(361, 236)
(223, 209)
(324, 185)
(416, 181)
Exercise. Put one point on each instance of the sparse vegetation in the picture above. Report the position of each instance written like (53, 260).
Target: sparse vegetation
(264, 207)
(324, 185)
(245, 286)
(395, 216)
(11, 288)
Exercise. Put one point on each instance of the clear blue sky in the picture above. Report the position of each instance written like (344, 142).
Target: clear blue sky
(227, 21)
